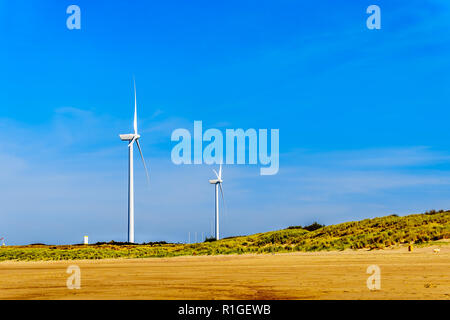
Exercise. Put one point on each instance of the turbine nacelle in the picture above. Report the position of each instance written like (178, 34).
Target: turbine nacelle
(129, 137)
(215, 181)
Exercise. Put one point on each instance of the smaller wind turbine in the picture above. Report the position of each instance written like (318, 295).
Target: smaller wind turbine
(218, 184)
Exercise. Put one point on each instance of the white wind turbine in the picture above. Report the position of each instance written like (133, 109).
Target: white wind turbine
(132, 137)
(218, 184)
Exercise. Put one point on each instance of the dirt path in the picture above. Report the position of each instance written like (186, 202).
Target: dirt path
(421, 274)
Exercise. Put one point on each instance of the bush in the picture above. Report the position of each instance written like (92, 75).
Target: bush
(314, 226)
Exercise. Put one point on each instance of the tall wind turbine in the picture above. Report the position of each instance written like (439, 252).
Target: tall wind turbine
(132, 138)
(218, 184)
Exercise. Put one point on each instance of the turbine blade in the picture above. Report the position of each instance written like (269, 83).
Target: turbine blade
(135, 108)
(223, 199)
(143, 161)
(216, 174)
(220, 172)
(132, 141)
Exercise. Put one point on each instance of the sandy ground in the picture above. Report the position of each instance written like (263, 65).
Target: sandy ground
(421, 274)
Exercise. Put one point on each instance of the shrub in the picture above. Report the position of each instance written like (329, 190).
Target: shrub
(314, 226)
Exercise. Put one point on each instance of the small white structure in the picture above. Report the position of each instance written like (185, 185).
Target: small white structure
(86, 240)
(436, 250)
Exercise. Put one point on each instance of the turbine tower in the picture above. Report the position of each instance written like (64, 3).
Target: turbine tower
(218, 184)
(132, 138)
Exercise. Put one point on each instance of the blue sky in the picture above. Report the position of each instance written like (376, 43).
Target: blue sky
(362, 113)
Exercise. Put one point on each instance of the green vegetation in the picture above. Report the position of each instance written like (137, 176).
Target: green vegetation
(311, 227)
(210, 239)
(374, 233)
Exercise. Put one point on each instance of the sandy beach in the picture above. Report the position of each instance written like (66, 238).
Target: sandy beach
(421, 274)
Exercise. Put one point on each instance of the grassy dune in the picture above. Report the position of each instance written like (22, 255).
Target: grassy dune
(374, 233)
